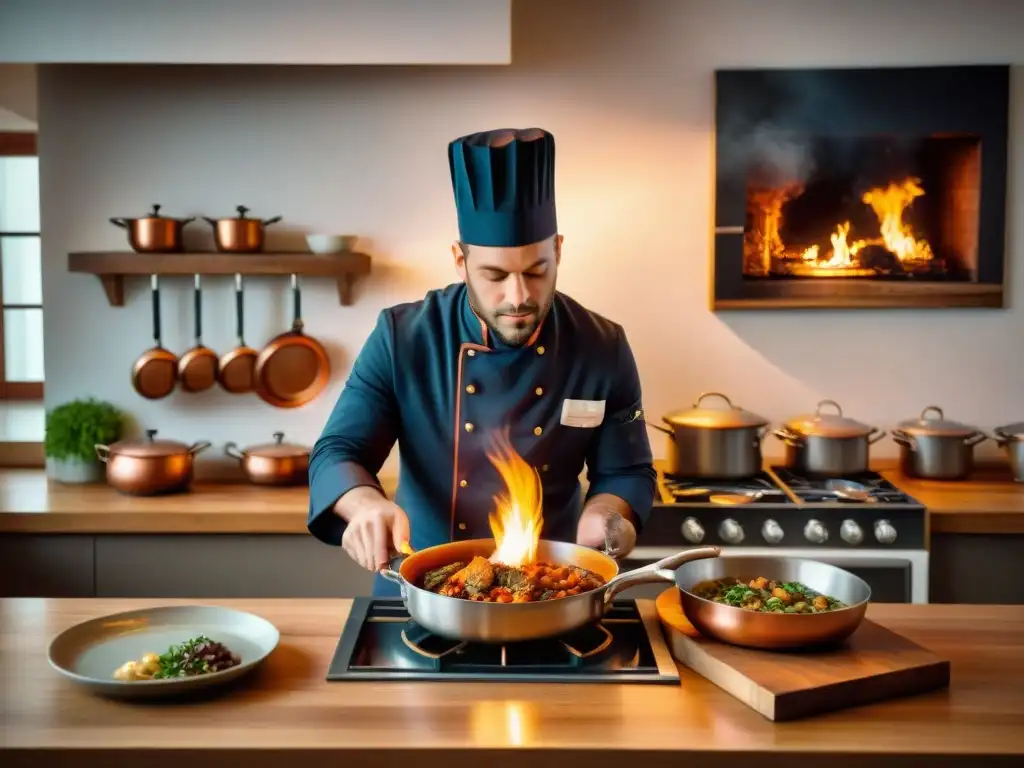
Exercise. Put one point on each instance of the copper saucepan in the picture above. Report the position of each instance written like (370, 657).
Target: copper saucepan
(155, 373)
(277, 463)
(236, 368)
(460, 619)
(773, 631)
(197, 368)
(240, 234)
(154, 233)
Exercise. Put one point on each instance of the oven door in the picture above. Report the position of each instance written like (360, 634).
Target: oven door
(895, 576)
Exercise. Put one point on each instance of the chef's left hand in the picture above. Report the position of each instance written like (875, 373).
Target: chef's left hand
(605, 529)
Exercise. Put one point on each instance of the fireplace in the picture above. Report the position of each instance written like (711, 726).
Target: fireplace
(861, 188)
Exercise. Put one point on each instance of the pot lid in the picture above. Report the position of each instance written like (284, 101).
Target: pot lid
(242, 210)
(933, 421)
(828, 424)
(1015, 430)
(278, 448)
(149, 446)
(154, 214)
(715, 418)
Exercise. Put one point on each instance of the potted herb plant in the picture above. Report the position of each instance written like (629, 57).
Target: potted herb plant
(72, 432)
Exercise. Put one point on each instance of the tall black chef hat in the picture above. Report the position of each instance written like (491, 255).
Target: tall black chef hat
(504, 184)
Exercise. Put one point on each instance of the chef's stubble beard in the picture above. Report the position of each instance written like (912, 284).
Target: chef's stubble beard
(522, 334)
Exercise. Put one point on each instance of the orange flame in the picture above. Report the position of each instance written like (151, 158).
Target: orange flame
(764, 245)
(517, 518)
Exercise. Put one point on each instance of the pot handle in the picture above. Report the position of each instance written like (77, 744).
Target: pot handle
(211, 222)
(975, 439)
(713, 394)
(118, 221)
(273, 220)
(102, 452)
(231, 449)
(875, 435)
(932, 408)
(660, 428)
(663, 570)
(902, 438)
(1002, 438)
(789, 438)
(197, 448)
(838, 407)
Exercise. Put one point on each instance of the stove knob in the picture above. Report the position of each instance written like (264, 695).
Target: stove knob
(693, 531)
(884, 532)
(850, 532)
(730, 531)
(772, 532)
(815, 532)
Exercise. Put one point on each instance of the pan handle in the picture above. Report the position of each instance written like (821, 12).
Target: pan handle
(663, 570)
(239, 309)
(197, 300)
(297, 296)
(154, 282)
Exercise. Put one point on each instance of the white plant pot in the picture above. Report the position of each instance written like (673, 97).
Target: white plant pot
(75, 470)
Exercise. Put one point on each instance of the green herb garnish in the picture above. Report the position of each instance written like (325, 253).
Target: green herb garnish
(183, 661)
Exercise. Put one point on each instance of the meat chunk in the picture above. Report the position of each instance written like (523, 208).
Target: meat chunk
(475, 579)
(434, 579)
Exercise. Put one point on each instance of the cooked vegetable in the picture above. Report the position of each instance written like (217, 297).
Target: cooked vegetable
(198, 656)
(484, 581)
(766, 596)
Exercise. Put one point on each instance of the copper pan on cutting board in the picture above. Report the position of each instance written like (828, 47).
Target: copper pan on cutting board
(293, 368)
(155, 372)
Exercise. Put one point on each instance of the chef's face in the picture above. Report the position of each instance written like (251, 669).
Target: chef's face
(511, 289)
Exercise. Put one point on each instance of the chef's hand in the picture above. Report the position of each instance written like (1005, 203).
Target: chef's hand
(377, 528)
(603, 527)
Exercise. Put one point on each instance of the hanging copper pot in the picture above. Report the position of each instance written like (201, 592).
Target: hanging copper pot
(276, 463)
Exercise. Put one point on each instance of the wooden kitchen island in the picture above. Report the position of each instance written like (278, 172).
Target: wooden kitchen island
(286, 713)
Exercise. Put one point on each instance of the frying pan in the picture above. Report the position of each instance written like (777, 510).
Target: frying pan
(235, 369)
(460, 619)
(197, 369)
(773, 631)
(155, 373)
(293, 368)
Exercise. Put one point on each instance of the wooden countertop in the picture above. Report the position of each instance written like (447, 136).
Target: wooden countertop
(288, 706)
(29, 503)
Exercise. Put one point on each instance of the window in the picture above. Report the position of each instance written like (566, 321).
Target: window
(21, 277)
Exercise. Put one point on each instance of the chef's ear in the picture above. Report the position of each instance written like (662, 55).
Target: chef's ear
(458, 251)
(558, 249)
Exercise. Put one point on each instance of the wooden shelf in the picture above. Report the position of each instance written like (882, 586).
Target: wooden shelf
(111, 267)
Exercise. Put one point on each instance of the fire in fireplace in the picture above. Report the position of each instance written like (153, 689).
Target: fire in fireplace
(861, 188)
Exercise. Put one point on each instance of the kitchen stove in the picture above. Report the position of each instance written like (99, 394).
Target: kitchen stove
(883, 539)
(381, 642)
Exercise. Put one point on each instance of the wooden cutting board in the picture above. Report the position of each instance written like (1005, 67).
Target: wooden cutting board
(872, 665)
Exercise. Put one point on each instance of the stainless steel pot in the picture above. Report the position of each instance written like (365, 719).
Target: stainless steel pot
(827, 444)
(150, 467)
(935, 448)
(714, 443)
(1011, 439)
(460, 619)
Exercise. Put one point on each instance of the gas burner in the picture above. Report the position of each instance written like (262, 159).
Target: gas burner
(812, 489)
(758, 489)
(381, 642)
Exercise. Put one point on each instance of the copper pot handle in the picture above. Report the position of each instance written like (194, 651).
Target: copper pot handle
(273, 220)
(197, 448)
(119, 222)
(102, 452)
(231, 449)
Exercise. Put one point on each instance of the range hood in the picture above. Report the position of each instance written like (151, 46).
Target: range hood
(256, 32)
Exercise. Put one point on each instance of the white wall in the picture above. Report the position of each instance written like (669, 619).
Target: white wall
(626, 88)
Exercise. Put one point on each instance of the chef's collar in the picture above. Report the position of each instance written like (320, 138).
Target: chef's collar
(478, 332)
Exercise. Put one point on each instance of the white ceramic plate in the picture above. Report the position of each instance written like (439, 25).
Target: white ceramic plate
(90, 652)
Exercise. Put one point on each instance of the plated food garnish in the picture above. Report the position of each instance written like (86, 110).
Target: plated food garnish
(198, 656)
(489, 582)
(766, 596)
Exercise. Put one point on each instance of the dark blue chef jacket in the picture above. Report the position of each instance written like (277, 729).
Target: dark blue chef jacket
(431, 377)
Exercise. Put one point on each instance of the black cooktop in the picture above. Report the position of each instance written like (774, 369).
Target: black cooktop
(381, 642)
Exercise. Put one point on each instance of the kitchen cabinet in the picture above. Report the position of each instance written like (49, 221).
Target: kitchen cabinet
(225, 566)
(459, 32)
(37, 565)
(976, 568)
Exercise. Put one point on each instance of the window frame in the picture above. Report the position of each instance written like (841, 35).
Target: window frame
(17, 144)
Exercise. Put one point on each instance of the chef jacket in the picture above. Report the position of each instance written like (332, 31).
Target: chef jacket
(432, 378)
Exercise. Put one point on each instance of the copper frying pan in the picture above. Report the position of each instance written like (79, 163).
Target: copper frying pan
(293, 368)
(236, 368)
(155, 373)
(197, 369)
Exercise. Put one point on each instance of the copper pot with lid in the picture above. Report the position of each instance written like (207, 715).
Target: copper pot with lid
(828, 444)
(240, 234)
(276, 463)
(150, 467)
(154, 233)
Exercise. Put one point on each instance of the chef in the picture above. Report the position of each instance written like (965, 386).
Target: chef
(501, 349)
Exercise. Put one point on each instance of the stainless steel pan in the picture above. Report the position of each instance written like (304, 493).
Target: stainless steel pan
(774, 631)
(460, 619)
